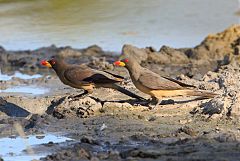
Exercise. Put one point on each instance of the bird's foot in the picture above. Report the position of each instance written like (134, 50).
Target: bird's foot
(77, 97)
(153, 103)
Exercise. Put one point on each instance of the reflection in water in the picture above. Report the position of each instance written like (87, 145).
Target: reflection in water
(110, 24)
(13, 147)
(26, 89)
(23, 89)
(6, 77)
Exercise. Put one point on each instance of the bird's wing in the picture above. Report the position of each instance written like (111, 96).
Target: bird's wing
(178, 82)
(85, 76)
(114, 75)
(106, 77)
(77, 75)
(156, 82)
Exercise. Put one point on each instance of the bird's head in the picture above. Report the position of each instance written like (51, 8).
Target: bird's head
(122, 62)
(49, 63)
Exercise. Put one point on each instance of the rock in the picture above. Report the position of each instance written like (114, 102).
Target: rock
(100, 63)
(234, 109)
(152, 118)
(89, 140)
(187, 130)
(216, 116)
(138, 54)
(168, 55)
(226, 137)
(185, 121)
(142, 153)
(214, 106)
(220, 44)
(93, 50)
(169, 140)
(69, 52)
(226, 82)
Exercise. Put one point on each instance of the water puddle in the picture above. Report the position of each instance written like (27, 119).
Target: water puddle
(32, 90)
(15, 148)
(6, 77)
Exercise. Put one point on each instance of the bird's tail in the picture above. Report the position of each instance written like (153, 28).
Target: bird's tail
(126, 92)
(201, 93)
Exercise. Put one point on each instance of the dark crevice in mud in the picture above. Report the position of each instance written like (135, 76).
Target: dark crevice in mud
(14, 110)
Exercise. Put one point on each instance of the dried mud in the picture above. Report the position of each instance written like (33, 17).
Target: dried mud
(108, 125)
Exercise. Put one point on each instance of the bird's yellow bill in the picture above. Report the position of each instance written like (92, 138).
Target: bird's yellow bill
(119, 63)
(46, 63)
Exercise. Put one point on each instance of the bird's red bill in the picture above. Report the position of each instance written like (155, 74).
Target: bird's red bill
(46, 63)
(119, 63)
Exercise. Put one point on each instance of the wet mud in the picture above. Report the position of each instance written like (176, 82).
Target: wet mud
(108, 125)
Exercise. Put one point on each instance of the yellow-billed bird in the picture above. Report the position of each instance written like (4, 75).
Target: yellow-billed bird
(158, 86)
(83, 77)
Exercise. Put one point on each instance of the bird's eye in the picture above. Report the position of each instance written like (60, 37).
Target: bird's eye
(52, 62)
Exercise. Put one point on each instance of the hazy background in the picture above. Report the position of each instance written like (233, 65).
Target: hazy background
(29, 24)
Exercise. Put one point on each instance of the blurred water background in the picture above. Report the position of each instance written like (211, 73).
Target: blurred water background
(30, 24)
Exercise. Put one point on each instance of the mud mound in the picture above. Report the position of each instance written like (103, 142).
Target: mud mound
(215, 50)
(28, 61)
(87, 106)
(83, 107)
(227, 84)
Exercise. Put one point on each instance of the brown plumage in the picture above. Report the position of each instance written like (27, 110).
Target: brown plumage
(83, 77)
(157, 86)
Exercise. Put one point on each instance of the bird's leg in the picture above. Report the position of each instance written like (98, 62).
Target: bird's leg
(85, 93)
(154, 102)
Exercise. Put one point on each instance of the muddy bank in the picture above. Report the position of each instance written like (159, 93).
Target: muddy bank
(215, 50)
(28, 61)
(108, 125)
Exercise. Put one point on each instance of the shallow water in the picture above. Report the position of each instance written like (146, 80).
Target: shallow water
(31, 24)
(31, 90)
(6, 77)
(13, 147)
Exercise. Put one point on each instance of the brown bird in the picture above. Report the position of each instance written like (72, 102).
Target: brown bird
(83, 77)
(157, 86)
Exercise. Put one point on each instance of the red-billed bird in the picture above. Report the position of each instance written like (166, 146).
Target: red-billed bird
(158, 86)
(83, 77)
